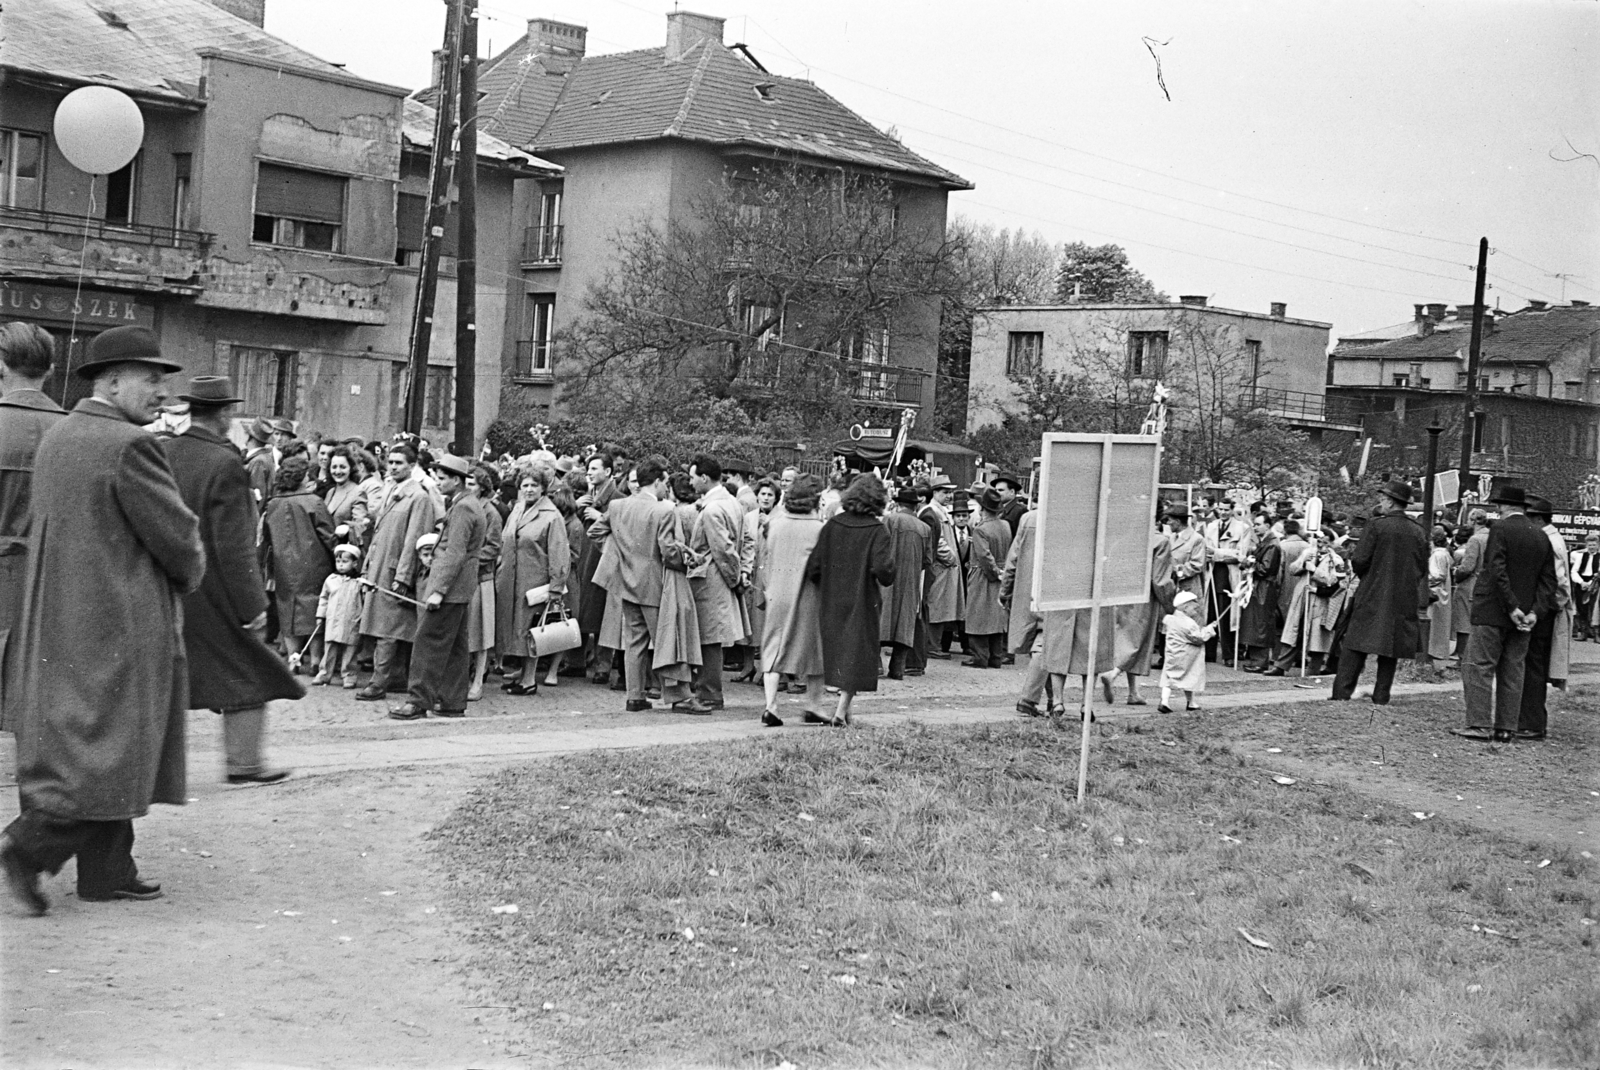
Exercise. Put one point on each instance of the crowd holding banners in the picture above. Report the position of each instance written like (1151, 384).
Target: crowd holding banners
(668, 570)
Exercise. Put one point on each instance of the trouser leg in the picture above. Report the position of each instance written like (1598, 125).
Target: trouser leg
(1534, 715)
(708, 674)
(897, 660)
(1478, 673)
(241, 739)
(104, 849)
(387, 672)
(441, 664)
(349, 662)
(636, 647)
(1351, 662)
(1385, 679)
(922, 639)
(1509, 680)
(1033, 680)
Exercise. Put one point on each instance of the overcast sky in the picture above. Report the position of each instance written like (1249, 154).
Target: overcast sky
(1343, 157)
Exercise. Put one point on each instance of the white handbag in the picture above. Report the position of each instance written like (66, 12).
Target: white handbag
(538, 596)
(552, 637)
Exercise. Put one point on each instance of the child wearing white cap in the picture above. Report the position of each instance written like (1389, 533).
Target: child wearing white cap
(1185, 666)
(339, 610)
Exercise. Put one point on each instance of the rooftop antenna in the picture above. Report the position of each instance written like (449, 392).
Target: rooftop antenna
(1563, 276)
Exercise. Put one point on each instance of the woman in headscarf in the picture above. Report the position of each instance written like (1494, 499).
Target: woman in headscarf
(297, 543)
(533, 553)
(791, 633)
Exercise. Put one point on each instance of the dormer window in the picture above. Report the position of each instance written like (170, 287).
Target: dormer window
(767, 91)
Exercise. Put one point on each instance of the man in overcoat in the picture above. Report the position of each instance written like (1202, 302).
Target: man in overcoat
(392, 568)
(1259, 623)
(1516, 589)
(718, 581)
(912, 548)
(232, 671)
(592, 506)
(25, 415)
(441, 663)
(1391, 559)
(946, 599)
(1550, 639)
(260, 461)
(1190, 555)
(643, 532)
(112, 550)
(1012, 504)
(987, 620)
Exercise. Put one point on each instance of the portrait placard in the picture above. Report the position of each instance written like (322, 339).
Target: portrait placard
(1097, 502)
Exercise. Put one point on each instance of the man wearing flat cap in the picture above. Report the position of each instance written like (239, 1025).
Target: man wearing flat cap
(441, 663)
(232, 671)
(26, 352)
(112, 550)
(1391, 559)
(1516, 589)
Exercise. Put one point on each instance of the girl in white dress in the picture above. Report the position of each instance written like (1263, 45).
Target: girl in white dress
(1185, 666)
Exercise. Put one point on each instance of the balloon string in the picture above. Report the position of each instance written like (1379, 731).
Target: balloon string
(77, 293)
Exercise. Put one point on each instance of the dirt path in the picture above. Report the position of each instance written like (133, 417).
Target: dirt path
(299, 929)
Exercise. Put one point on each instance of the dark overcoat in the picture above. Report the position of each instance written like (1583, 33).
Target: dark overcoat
(297, 537)
(1391, 559)
(853, 558)
(230, 668)
(1518, 572)
(913, 555)
(111, 553)
(25, 415)
(592, 597)
(1259, 623)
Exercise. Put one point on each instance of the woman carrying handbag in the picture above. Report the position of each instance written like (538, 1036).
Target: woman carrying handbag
(533, 553)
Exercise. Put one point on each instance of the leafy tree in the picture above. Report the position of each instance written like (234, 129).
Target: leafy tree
(1101, 273)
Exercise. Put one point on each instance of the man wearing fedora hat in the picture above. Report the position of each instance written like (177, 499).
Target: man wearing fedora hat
(260, 462)
(112, 548)
(441, 663)
(232, 671)
(1190, 557)
(1550, 639)
(26, 352)
(1516, 589)
(1391, 559)
(987, 620)
(1012, 504)
(912, 549)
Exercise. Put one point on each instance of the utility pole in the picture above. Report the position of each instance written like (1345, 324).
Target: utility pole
(1468, 421)
(467, 237)
(439, 175)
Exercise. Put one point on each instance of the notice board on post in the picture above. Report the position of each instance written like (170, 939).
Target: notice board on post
(1097, 505)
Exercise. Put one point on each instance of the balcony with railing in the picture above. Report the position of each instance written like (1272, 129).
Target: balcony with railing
(541, 246)
(865, 381)
(127, 253)
(1299, 408)
(534, 363)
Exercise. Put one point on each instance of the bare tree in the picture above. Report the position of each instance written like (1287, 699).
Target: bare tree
(781, 278)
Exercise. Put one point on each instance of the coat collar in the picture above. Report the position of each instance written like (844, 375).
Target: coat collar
(93, 406)
(856, 520)
(30, 399)
(206, 435)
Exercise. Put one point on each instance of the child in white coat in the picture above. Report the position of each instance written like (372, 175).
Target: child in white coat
(339, 610)
(1185, 666)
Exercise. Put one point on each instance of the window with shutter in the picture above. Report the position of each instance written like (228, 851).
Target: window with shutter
(304, 209)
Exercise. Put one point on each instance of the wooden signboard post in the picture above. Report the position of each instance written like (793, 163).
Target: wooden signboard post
(1097, 512)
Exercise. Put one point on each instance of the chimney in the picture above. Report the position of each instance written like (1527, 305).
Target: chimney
(685, 29)
(1537, 306)
(438, 67)
(1436, 311)
(1193, 300)
(1579, 304)
(252, 11)
(1280, 309)
(559, 45)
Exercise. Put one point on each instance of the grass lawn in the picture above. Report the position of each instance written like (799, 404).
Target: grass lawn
(920, 897)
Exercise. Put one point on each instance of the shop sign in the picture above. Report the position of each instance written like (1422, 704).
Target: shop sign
(92, 308)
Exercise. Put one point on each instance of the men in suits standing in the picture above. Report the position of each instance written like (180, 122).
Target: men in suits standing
(25, 415)
(1515, 589)
(1391, 559)
(643, 529)
(1549, 640)
(441, 663)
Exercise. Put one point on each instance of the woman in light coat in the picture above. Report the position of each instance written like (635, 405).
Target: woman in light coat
(347, 497)
(791, 632)
(1440, 564)
(533, 553)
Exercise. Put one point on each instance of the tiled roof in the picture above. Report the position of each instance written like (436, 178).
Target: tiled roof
(1528, 335)
(147, 47)
(710, 95)
(417, 127)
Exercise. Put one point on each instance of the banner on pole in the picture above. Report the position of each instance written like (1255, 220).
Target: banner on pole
(1447, 487)
(1081, 557)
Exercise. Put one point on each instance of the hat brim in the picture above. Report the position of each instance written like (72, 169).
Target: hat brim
(212, 403)
(90, 369)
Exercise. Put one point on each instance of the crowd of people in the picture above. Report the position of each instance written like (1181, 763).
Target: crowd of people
(145, 574)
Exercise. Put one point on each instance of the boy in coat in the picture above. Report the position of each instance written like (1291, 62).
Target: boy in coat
(441, 664)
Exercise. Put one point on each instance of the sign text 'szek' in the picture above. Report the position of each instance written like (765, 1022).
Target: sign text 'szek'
(1097, 505)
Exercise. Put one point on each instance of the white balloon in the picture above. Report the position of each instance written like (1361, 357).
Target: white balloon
(98, 129)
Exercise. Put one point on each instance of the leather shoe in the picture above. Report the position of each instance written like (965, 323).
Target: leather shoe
(265, 776)
(22, 878)
(640, 705)
(694, 706)
(942, 655)
(450, 713)
(371, 693)
(409, 711)
(771, 720)
(134, 889)
(972, 663)
(1528, 734)
(1274, 671)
